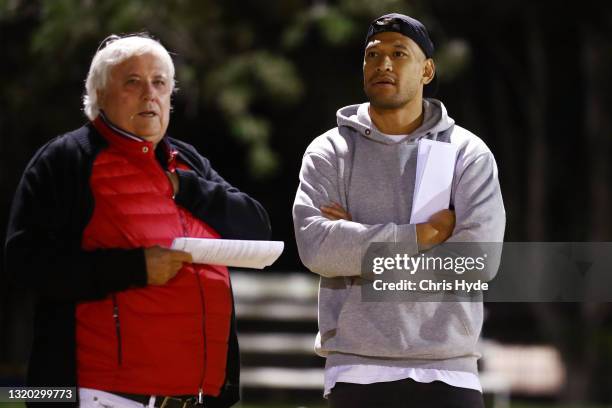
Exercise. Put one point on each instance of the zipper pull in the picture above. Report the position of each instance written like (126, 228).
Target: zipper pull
(201, 397)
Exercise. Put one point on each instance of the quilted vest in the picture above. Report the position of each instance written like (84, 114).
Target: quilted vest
(159, 340)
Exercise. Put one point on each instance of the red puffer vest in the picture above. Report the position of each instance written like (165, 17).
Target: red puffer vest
(159, 340)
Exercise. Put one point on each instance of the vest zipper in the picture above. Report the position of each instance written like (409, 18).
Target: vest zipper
(201, 385)
(201, 292)
(117, 328)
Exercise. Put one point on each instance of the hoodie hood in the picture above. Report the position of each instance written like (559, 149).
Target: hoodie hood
(435, 120)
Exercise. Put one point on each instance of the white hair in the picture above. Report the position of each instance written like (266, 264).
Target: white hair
(114, 50)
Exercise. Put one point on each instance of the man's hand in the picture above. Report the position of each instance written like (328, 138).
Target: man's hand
(437, 230)
(174, 180)
(334, 212)
(163, 264)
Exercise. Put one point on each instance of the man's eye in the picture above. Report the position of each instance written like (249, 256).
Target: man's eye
(131, 81)
(372, 54)
(159, 82)
(399, 53)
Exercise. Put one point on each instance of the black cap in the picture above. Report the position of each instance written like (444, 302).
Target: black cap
(411, 28)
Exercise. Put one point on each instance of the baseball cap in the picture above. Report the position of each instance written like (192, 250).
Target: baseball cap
(411, 28)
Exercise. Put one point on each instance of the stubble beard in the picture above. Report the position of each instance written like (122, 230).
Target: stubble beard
(396, 101)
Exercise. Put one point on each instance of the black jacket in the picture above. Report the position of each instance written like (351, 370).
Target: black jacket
(51, 208)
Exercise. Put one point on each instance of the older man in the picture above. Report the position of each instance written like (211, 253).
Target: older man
(356, 187)
(129, 321)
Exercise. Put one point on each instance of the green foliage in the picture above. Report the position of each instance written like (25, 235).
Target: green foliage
(336, 27)
(372, 9)
(8, 9)
(241, 83)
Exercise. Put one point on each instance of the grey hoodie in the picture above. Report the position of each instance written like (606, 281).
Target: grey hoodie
(373, 178)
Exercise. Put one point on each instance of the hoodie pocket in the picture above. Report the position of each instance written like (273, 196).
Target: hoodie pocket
(435, 330)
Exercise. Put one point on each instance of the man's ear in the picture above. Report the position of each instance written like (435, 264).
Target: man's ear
(429, 71)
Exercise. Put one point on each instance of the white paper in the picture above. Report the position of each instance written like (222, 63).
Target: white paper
(423, 153)
(434, 178)
(231, 252)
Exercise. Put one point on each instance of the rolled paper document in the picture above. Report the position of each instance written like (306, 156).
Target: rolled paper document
(231, 252)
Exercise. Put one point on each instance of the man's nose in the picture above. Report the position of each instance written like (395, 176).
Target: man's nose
(385, 64)
(148, 91)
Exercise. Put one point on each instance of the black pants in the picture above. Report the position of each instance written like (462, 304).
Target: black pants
(405, 394)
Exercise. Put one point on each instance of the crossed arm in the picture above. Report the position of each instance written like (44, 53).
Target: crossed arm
(331, 244)
(433, 232)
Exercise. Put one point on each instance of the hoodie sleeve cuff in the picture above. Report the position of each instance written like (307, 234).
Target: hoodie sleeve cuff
(407, 235)
(128, 268)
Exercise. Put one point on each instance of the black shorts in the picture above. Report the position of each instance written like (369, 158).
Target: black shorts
(405, 394)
